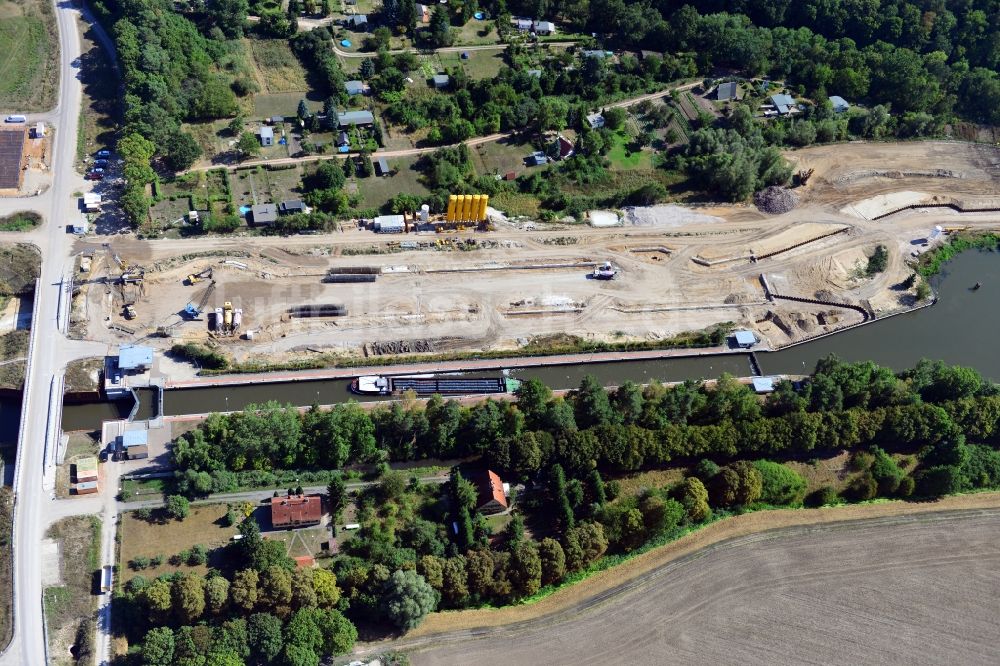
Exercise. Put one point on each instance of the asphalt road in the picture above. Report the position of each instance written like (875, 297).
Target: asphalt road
(905, 590)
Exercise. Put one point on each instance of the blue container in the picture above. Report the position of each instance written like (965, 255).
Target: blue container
(346, 43)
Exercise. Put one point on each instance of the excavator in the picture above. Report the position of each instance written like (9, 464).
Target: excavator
(195, 278)
(192, 311)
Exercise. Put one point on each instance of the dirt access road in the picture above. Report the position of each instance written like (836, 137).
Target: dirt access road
(901, 589)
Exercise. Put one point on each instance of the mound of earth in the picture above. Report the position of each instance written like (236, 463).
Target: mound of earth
(775, 200)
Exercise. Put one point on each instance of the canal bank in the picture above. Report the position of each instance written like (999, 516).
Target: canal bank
(959, 329)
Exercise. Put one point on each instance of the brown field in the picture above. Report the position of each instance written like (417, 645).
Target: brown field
(69, 604)
(149, 539)
(841, 592)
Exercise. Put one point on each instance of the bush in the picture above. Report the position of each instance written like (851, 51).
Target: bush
(779, 484)
(143, 514)
(822, 497)
(178, 507)
(206, 358)
(862, 489)
(139, 563)
(879, 261)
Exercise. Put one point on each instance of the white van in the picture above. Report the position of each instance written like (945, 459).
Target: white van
(16, 119)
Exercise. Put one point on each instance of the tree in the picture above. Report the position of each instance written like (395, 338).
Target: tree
(557, 490)
(294, 654)
(158, 647)
(737, 484)
(553, 561)
(532, 398)
(189, 598)
(302, 630)
(303, 590)
(614, 118)
(247, 145)
(181, 150)
(336, 494)
(337, 631)
(325, 584)
(276, 587)
(584, 544)
(228, 15)
(264, 636)
(216, 594)
(593, 407)
(303, 110)
(455, 581)
(178, 507)
(158, 599)
(526, 568)
(694, 497)
(938, 481)
(367, 69)
(407, 599)
(440, 27)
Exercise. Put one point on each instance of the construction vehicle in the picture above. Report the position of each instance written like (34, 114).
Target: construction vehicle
(130, 311)
(192, 311)
(803, 176)
(227, 317)
(605, 271)
(195, 278)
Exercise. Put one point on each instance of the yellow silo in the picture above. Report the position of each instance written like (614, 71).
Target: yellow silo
(474, 209)
(459, 207)
(482, 207)
(452, 201)
(466, 208)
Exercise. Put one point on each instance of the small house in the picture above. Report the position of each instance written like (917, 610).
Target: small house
(595, 120)
(134, 359)
(785, 104)
(441, 81)
(492, 494)
(266, 136)
(86, 469)
(537, 158)
(745, 339)
(38, 132)
(544, 28)
(135, 444)
(86, 488)
(91, 202)
(358, 22)
(353, 118)
(423, 13)
(726, 91)
(522, 24)
(264, 214)
(296, 510)
(276, 120)
(343, 139)
(389, 224)
(81, 226)
(594, 53)
(355, 87)
(293, 207)
(536, 73)
(839, 104)
(565, 147)
(381, 167)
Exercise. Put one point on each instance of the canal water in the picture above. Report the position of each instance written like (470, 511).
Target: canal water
(960, 329)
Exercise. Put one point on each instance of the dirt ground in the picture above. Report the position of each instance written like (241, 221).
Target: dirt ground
(747, 589)
(678, 271)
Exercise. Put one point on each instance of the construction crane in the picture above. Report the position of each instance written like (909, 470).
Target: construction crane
(192, 311)
(195, 278)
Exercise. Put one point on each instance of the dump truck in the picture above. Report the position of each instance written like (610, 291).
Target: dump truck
(107, 578)
(129, 312)
(227, 316)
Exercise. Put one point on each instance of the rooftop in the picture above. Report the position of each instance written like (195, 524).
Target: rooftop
(134, 357)
(355, 118)
(264, 213)
(266, 133)
(354, 87)
(763, 384)
(839, 103)
(296, 510)
(135, 438)
(745, 338)
(726, 91)
(88, 464)
(491, 489)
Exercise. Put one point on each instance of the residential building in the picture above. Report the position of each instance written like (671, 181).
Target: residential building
(544, 27)
(358, 22)
(595, 120)
(839, 104)
(441, 81)
(565, 147)
(91, 202)
(594, 53)
(296, 510)
(785, 104)
(293, 207)
(522, 24)
(266, 136)
(423, 13)
(381, 167)
(726, 91)
(352, 118)
(135, 444)
(492, 493)
(355, 87)
(537, 158)
(264, 214)
(343, 139)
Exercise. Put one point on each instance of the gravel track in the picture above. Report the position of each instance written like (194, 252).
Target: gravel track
(900, 589)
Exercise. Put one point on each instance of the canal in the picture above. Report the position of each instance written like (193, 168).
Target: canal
(960, 329)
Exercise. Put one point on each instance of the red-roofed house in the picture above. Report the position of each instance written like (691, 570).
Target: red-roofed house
(296, 510)
(304, 561)
(565, 147)
(492, 498)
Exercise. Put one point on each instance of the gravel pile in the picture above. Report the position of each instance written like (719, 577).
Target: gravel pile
(775, 200)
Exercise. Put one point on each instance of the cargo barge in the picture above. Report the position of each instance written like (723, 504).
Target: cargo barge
(430, 385)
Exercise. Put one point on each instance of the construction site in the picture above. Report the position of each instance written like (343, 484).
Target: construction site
(662, 271)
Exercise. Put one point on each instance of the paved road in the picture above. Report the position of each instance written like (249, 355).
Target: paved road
(411, 152)
(34, 473)
(912, 589)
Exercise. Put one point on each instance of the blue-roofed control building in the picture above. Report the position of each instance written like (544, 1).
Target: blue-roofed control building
(839, 104)
(135, 358)
(135, 444)
(763, 384)
(130, 367)
(745, 339)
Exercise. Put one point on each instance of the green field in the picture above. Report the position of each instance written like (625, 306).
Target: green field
(624, 158)
(28, 69)
(275, 67)
(479, 64)
(375, 191)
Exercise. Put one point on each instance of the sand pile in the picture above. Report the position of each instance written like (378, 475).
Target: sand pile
(775, 200)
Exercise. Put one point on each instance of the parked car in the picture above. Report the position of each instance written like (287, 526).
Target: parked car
(95, 175)
(100, 163)
(97, 170)
(104, 152)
